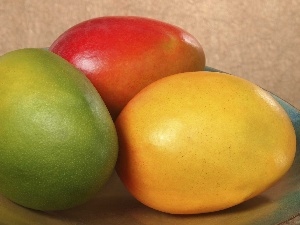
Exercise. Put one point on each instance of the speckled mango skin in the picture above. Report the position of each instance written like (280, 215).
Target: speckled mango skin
(58, 143)
(292, 112)
(202, 142)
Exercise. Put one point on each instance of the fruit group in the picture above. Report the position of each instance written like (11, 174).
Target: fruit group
(202, 142)
(122, 55)
(58, 143)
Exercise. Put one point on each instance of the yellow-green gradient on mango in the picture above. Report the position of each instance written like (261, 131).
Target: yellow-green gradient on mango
(58, 143)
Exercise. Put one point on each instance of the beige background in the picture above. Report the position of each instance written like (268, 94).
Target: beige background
(258, 39)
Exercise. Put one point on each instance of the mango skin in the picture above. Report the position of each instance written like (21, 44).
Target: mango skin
(58, 143)
(121, 55)
(293, 112)
(294, 115)
(202, 142)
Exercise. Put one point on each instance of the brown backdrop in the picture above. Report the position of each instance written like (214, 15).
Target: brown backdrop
(258, 39)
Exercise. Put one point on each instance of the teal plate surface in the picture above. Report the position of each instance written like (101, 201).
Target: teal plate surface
(114, 205)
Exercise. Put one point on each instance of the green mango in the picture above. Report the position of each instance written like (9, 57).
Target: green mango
(58, 143)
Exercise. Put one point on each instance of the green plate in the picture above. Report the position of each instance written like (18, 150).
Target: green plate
(114, 205)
